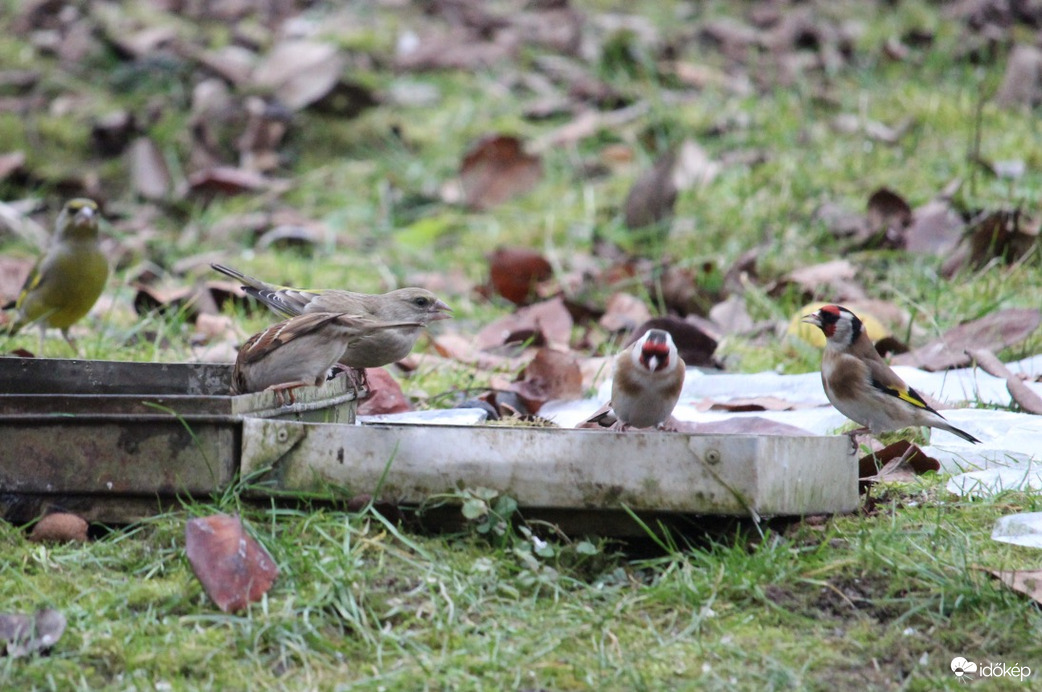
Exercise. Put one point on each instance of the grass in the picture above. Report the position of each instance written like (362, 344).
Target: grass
(880, 599)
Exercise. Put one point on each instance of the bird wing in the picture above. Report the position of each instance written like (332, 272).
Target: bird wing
(886, 380)
(275, 336)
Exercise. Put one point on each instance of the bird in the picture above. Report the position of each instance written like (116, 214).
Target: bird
(646, 383)
(300, 351)
(68, 279)
(417, 307)
(862, 386)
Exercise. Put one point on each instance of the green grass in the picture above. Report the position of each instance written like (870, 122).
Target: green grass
(881, 599)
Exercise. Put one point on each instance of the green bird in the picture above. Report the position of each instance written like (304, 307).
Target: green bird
(67, 280)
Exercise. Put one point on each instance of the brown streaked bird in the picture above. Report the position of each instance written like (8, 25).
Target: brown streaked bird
(68, 278)
(300, 351)
(646, 384)
(862, 386)
(416, 307)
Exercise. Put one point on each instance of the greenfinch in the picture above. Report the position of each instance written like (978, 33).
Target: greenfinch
(69, 277)
(300, 351)
(417, 307)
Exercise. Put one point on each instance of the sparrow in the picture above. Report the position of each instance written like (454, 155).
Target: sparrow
(67, 280)
(862, 386)
(646, 383)
(300, 351)
(415, 307)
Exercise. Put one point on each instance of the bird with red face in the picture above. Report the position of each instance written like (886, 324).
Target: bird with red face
(862, 386)
(646, 383)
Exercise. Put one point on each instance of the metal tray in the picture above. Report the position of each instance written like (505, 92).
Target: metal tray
(112, 440)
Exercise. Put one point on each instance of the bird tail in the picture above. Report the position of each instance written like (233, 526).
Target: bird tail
(249, 281)
(961, 433)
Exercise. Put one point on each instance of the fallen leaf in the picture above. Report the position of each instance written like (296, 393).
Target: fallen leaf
(59, 527)
(994, 332)
(234, 569)
(694, 345)
(902, 462)
(148, 171)
(758, 403)
(11, 163)
(1025, 581)
(744, 425)
(23, 635)
(1003, 234)
(547, 322)
(110, 134)
(834, 279)
(514, 272)
(887, 216)
(552, 375)
(624, 313)
(13, 273)
(1020, 85)
(731, 316)
(936, 229)
(457, 49)
(1026, 398)
(653, 194)
(497, 169)
(300, 72)
(225, 180)
(385, 394)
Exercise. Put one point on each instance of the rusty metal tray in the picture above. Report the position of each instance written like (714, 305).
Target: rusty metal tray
(112, 440)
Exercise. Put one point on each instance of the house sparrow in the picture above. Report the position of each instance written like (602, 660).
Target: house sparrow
(415, 306)
(67, 280)
(646, 384)
(300, 351)
(861, 385)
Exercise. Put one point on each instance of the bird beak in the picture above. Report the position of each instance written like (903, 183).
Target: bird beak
(812, 318)
(440, 309)
(84, 214)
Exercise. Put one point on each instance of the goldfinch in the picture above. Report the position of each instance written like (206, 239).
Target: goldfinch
(300, 351)
(646, 383)
(69, 277)
(862, 386)
(416, 307)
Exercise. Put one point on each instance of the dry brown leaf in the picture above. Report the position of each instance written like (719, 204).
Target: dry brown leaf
(234, 569)
(497, 169)
(385, 394)
(756, 403)
(13, 273)
(148, 171)
(1025, 581)
(1026, 398)
(653, 194)
(551, 375)
(547, 322)
(936, 229)
(300, 72)
(1004, 234)
(515, 271)
(457, 49)
(588, 123)
(60, 527)
(11, 163)
(225, 180)
(1022, 83)
(994, 332)
(624, 313)
(22, 635)
(731, 316)
(745, 425)
(888, 213)
(834, 279)
(902, 462)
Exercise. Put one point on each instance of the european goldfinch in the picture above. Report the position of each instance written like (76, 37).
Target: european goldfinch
(300, 351)
(417, 307)
(69, 277)
(862, 386)
(646, 383)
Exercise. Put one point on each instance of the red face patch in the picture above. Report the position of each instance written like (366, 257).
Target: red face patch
(659, 350)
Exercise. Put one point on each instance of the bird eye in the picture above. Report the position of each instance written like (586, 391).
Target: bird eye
(421, 301)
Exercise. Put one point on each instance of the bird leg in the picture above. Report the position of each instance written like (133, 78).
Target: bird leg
(285, 390)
